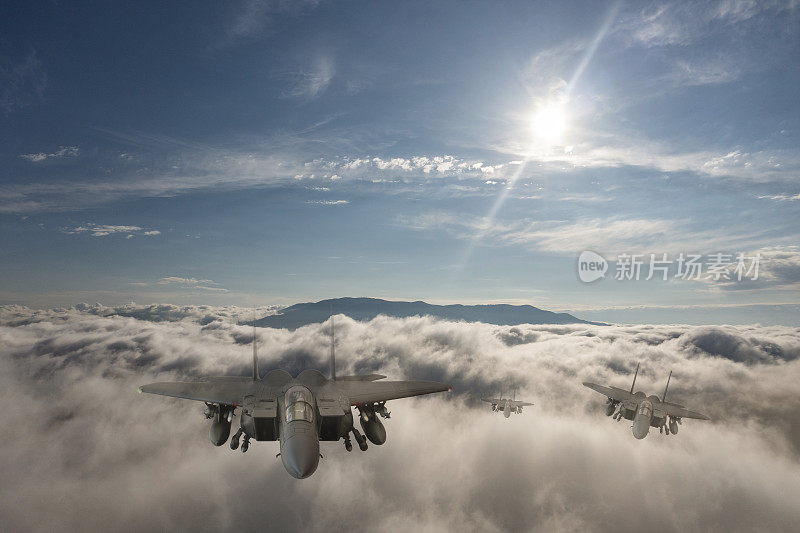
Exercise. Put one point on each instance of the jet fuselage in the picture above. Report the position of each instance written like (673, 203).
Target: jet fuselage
(641, 421)
(299, 436)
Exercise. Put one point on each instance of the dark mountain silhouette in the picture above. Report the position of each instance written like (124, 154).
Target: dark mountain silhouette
(299, 315)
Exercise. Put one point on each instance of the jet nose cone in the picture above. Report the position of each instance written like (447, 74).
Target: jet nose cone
(640, 430)
(301, 456)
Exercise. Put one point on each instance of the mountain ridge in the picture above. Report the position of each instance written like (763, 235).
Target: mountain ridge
(364, 309)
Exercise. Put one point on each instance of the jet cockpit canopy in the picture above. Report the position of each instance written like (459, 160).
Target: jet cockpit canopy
(299, 404)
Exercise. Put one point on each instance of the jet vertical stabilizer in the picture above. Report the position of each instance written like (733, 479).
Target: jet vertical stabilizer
(634, 377)
(332, 375)
(664, 398)
(255, 351)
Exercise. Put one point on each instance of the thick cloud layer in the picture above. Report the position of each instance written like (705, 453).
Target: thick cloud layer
(84, 451)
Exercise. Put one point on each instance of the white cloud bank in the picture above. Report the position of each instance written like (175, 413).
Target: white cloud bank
(89, 453)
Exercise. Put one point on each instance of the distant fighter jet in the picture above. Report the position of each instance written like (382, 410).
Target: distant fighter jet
(644, 411)
(506, 406)
(299, 412)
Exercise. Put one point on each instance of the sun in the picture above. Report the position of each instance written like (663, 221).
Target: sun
(550, 123)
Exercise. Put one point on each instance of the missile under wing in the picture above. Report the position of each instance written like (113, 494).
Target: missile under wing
(296, 411)
(645, 411)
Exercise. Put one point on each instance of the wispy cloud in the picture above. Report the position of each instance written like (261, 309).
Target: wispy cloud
(21, 83)
(551, 236)
(311, 81)
(64, 151)
(683, 23)
(182, 281)
(203, 168)
(253, 17)
(613, 149)
(103, 230)
(782, 197)
(687, 72)
(191, 283)
(329, 202)
(200, 168)
(604, 235)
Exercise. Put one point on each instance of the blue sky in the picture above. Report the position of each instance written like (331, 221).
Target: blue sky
(273, 152)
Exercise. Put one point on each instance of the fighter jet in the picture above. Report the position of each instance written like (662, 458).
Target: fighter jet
(506, 406)
(296, 411)
(645, 411)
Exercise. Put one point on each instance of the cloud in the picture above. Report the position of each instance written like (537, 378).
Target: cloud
(21, 83)
(613, 235)
(310, 82)
(201, 168)
(204, 168)
(183, 281)
(617, 149)
(782, 197)
(252, 17)
(193, 283)
(779, 266)
(104, 230)
(328, 202)
(64, 151)
(448, 463)
(693, 73)
(200, 314)
(679, 24)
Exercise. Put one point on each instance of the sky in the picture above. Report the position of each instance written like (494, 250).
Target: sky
(90, 454)
(267, 152)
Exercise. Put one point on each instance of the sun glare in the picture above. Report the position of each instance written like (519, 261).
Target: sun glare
(550, 123)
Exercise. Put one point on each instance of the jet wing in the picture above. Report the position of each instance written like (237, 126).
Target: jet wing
(380, 391)
(612, 392)
(226, 392)
(362, 377)
(520, 404)
(679, 411)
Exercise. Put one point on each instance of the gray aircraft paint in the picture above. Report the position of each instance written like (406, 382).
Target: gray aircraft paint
(315, 408)
(506, 406)
(644, 411)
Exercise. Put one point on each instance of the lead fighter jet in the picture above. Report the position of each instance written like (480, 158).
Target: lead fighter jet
(505, 405)
(296, 411)
(645, 411)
